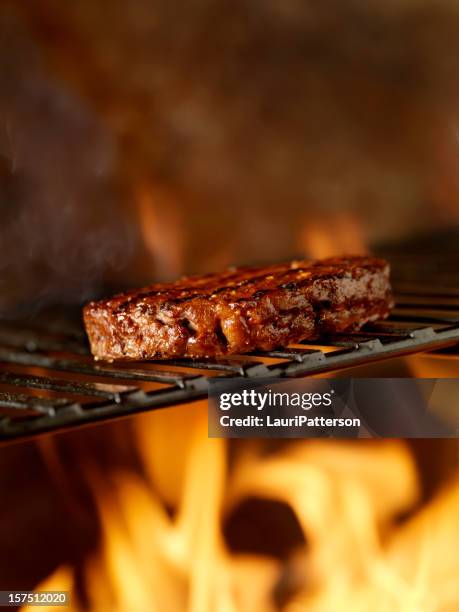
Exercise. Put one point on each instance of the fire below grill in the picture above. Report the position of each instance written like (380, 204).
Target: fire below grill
(49, 381)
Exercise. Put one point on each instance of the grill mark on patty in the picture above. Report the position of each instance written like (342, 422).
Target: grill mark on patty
(178, 300)
(294, 284)
(195, 282)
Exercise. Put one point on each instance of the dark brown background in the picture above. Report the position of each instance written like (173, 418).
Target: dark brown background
(240, 125)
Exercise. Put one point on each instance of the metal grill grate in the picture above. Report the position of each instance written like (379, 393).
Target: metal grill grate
(49, 381)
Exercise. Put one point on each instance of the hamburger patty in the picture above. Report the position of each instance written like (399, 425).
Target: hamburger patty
(240, 310)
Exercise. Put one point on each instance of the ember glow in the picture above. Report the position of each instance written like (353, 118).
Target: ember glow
(331, 235)
(161, 228)
(347, 498)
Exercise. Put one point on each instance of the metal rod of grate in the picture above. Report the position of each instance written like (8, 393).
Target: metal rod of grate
(49, 381)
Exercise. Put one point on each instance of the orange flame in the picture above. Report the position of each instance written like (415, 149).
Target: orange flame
(339, 234)
(162, 230)
(345, 496)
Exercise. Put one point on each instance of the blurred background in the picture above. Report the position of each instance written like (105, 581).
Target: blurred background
(144, 140)
(139, 143)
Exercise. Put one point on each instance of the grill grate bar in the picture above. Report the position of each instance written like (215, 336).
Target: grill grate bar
(240, 366)
(424, 318)
(22, 401)
(65, 386)
(72, 414)
(80, 367)
(113, 390)
(425, 314)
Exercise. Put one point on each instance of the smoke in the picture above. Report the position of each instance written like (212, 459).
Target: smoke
(62, 230)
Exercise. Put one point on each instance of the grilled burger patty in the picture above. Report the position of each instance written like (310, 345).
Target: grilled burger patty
(240, 310)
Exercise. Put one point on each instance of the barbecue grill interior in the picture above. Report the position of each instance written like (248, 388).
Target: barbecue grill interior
(144, 141)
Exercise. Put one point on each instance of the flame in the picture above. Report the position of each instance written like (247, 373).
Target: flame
(162, 230)
(162, 545)
(417, 572)
(338, 234)
(61, 580)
